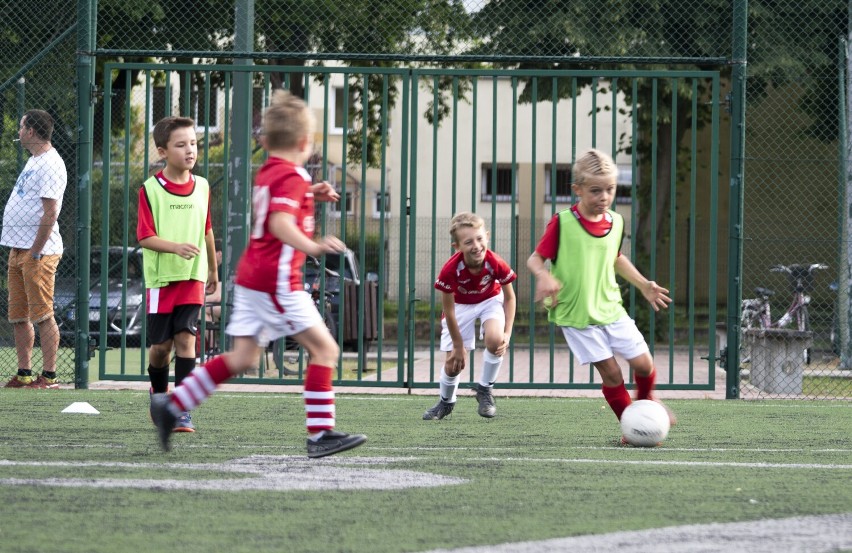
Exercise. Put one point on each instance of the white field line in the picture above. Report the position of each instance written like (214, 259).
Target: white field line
(808, 534)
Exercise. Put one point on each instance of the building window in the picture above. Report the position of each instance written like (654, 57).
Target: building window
(336, 110)
(624, 190)
(163, 103)
(160, 101)
(560, 191)
(381, 205)
(347, 201)
(497, 182)
(199, 105)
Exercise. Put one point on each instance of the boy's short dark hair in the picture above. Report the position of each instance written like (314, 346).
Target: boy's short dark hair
(40, 122)
(286, 121)
(165, 126)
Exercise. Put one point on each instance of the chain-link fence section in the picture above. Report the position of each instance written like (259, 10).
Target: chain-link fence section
(38, 109)
(792, 252)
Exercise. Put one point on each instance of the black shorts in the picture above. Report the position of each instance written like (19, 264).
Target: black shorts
(162, 327)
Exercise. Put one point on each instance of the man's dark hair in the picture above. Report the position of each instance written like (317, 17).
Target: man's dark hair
(164, 127)
(40, 122)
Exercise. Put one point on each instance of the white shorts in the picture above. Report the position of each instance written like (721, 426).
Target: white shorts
(597, 343)
(256, 314)
(466, 315)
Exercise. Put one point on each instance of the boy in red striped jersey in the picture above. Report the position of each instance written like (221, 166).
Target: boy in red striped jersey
(269, 298)
(476, 283)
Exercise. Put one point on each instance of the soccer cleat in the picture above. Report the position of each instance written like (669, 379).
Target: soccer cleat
(44, 383)
(333, 442)
(486, 401)
(19, 381)
(439, 411)
(184, 423)
(163, 418)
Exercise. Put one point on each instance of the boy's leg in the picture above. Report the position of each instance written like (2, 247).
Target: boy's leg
(645, 375)
(199, 385)
(447, 387)
(613, 385)
(319, 395)
(159, 356)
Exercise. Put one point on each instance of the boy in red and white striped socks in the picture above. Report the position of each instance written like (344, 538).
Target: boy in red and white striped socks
(269, 298)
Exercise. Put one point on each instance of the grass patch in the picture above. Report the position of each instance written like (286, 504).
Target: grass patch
(550, 464)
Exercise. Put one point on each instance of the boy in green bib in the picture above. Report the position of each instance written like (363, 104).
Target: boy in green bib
(583, 245)
(179, 255)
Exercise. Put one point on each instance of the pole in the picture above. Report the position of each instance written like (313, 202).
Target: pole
(736, 196)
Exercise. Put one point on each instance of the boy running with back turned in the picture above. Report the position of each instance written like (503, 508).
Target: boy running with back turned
(269, 298)
(583, 244)
(475, 283)
(179, 259)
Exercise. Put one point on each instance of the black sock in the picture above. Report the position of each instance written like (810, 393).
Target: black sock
(49, 374)
(183, 366)
(159, 377)
(25, 372)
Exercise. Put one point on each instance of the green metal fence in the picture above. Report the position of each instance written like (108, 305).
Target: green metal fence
(666, 86)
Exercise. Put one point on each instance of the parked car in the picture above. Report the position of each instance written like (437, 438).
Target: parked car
(125, 298)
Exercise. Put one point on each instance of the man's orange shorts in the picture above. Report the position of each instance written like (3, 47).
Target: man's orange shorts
(31, 286)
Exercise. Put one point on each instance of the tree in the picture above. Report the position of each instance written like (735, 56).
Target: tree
(784, 43)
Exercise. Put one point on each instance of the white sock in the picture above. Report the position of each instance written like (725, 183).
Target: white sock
(490, 369)
(448, 386)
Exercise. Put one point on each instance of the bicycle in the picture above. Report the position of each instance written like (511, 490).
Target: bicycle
(756, 311)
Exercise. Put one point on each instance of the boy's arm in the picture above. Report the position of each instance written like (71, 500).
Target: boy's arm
(212, 269)
(653, 292)
(546, 284)
(157, 244)
(456, 358)
(283, 226)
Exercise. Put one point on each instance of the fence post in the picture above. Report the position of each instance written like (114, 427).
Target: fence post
(736, 196)
(86, 10)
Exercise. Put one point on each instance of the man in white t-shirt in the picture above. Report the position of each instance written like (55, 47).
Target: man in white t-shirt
(31, 231)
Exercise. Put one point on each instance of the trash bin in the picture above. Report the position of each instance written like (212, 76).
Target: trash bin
(778, 358)
(369, 326)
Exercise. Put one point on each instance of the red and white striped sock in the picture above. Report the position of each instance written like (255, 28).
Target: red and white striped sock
(199, 385)
(319, 399)
(617, 397)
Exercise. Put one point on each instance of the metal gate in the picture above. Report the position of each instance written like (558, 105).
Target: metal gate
(407, 148)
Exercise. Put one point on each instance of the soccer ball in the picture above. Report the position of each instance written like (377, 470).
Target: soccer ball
(645, 423)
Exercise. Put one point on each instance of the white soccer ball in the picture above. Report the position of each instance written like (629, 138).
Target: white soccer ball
(645, 423)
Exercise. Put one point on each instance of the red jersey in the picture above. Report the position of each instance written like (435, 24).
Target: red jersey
(184, 292)
(268, 264)
(548, 246)
(455, 278)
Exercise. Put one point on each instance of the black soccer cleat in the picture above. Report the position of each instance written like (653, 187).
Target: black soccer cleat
(334, 442)
(163, 418)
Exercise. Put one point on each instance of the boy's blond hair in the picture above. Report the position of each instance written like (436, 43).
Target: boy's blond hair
(465, 219)
(166, 126)
(594, 163)
(286, 121)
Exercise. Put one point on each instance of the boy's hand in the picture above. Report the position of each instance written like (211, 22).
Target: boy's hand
(187, 251)
(212, 281)
(504, 345)
(324, 192)
(455, 361)
(546, 286)
(331, 244)
(656, 295)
